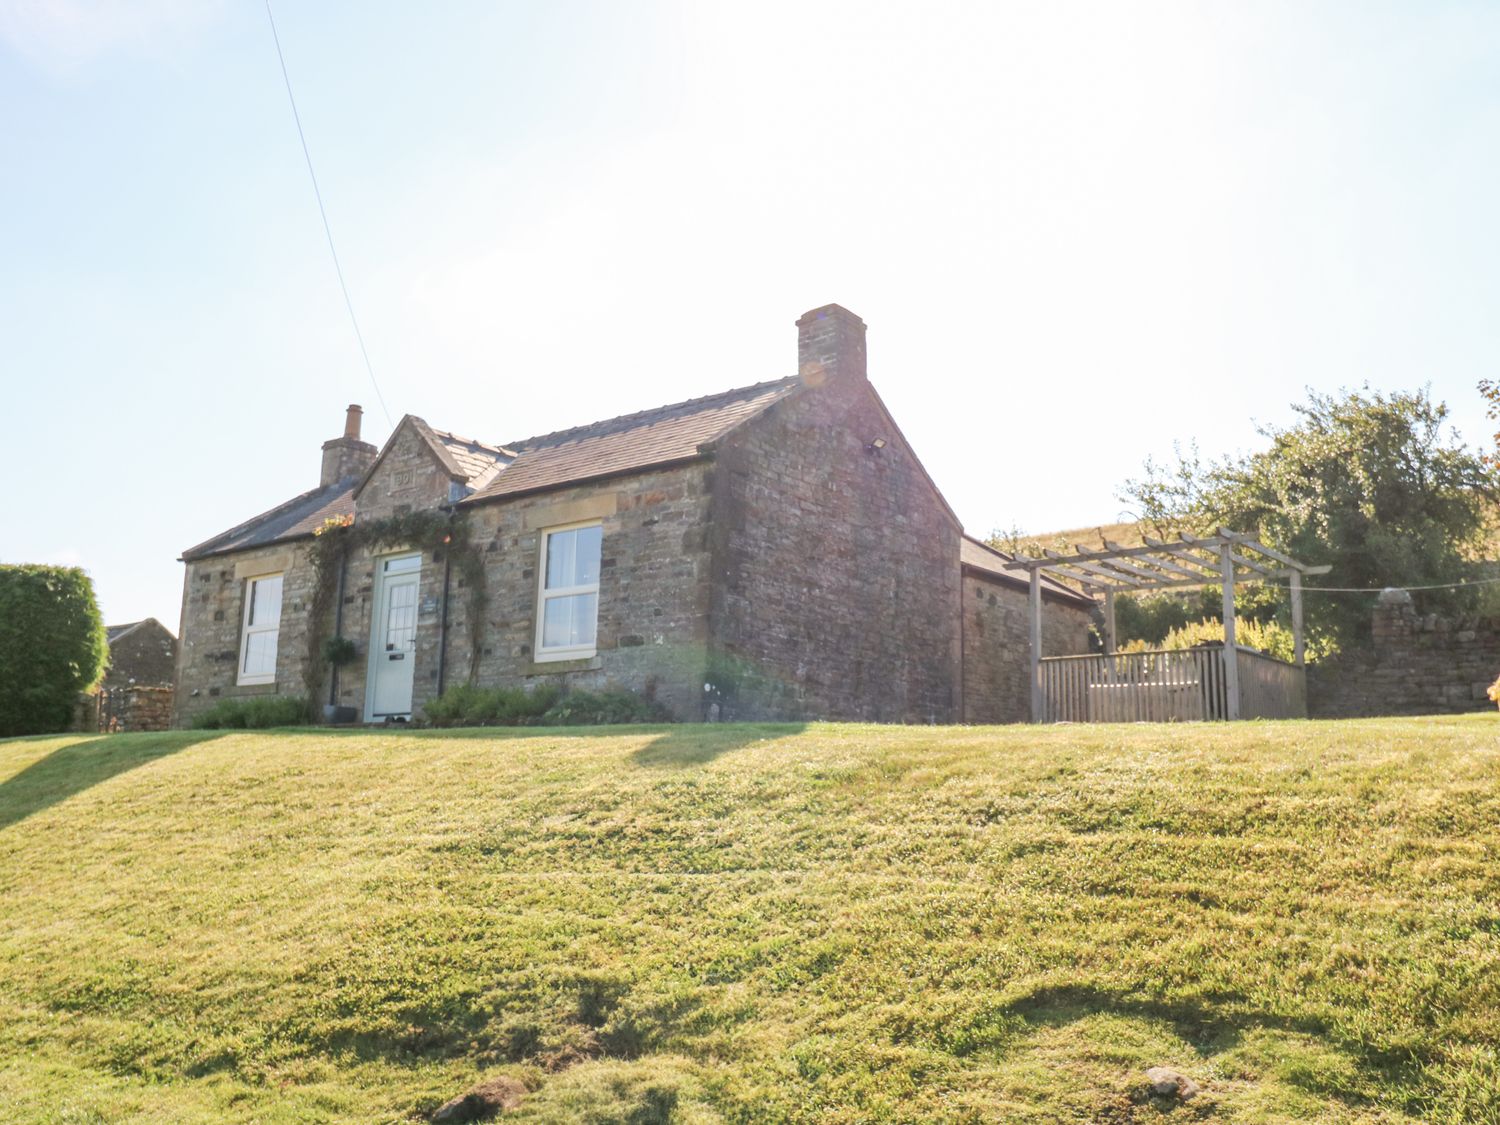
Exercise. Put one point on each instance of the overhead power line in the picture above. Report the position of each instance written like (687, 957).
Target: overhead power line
(1382, 589)
(327, 230)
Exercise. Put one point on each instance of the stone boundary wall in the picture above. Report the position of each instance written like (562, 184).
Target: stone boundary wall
(119, 709)
(137, 707)
(1416, 664)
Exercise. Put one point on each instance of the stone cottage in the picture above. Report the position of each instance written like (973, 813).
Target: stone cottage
(771, 552)
(141, 652)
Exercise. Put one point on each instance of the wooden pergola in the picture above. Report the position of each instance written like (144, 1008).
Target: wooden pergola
(1162, 684)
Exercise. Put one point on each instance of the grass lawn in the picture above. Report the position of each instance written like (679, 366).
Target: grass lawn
(755, 923)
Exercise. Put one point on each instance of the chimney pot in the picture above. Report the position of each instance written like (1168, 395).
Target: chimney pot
(352, 420)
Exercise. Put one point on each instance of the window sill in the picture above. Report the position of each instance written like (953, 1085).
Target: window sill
(552, 665)
(571, 655)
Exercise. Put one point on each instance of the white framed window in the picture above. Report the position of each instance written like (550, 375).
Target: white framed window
(260, 630)
(567, 612)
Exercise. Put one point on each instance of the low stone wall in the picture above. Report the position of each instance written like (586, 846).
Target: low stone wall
(1416, 664)
(134, 708)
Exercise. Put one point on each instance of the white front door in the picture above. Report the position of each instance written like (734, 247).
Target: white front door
(393, 638)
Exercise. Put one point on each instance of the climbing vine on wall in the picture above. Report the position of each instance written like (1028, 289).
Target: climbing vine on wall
(430, 532)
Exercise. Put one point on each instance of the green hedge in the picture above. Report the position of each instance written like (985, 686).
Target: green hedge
(469, 706)
(52, 646)
(256, 712)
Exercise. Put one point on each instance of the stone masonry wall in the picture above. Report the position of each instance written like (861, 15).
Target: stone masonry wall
(134, 707)
(653, 588)
(145, 655)
(653, 606)
(836, 567)
(1415, 665)
(996, 638)
(408, 479)
(213, 611)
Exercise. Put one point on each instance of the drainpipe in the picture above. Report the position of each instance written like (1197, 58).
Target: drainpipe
(443, 620)
(338, 627)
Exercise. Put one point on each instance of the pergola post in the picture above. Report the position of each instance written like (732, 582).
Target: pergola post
(1299, 647)
(1035, 600)
(1109, 623)
(1231, 650)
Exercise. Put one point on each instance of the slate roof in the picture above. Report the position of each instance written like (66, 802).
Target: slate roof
(663, 436)
(477, 461)
(996, 564)
(298, 518)
(113, 633)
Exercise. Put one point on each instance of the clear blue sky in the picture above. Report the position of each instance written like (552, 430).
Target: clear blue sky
(1078, 232)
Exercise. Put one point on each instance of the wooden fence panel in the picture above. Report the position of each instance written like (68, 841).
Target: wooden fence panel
(1270, 688)
(1178, 686)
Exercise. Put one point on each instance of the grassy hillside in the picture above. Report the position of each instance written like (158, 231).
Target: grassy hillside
(1091, 538)
(744, 923)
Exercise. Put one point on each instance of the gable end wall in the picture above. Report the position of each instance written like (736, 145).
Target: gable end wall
(836, 582)
(408, 479)
(147, 655)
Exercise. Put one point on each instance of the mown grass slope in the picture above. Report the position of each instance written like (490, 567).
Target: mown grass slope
(741, 923)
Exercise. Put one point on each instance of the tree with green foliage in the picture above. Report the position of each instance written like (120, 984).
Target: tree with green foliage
(1151, 617)
(1489, 390)
(52, 646)
(1378, 486)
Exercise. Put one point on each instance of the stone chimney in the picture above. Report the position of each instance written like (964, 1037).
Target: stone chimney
(830, 345)
(346, 456)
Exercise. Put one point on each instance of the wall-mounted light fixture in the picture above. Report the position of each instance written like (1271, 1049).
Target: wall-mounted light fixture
(874, 447)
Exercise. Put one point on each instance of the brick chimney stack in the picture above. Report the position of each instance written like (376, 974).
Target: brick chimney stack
(346, 456)
(830, 345)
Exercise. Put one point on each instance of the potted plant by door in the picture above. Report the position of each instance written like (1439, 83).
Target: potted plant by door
(338, 652)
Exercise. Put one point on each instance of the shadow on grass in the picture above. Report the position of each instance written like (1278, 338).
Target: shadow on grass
(671, 746)
(695, 744)
(1216, 1023)
(71, 769)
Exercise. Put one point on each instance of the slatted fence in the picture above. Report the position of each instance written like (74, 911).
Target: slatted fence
(1162, 686)
(1271, 688)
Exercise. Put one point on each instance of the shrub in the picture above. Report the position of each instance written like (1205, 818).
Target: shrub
(1151, 617)
(466, 705)
(598, 708)
(52, 646)
(255, 713)
(1267, 636)
(339, 651)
